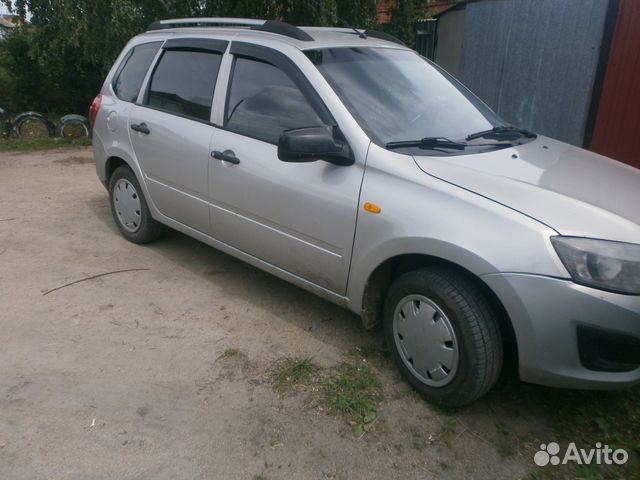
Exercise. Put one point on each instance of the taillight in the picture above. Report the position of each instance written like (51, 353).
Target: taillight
(95, 108)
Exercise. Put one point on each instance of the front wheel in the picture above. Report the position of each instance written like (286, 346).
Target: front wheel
(443, 335)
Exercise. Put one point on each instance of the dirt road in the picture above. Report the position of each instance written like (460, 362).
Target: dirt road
(130, 376)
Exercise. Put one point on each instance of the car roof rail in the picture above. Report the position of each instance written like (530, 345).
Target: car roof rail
(204, 22)
(383, 36)
(283, 28)
(271, 26)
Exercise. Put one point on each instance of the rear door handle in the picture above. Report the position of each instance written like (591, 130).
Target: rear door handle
(226, 156)
(141, 127)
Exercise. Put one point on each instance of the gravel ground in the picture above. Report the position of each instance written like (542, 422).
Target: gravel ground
(125, 376)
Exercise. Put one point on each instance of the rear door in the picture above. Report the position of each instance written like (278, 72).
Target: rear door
(171, 128)
(297, 216)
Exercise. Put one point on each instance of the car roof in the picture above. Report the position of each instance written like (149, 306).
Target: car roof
(315, 37)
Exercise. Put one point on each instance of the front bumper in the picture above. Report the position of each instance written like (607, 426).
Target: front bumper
(547, 314)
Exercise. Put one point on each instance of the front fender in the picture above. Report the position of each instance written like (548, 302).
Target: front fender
(424, 215)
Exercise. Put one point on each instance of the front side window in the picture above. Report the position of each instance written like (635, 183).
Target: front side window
(263, 102)
(398, 96)
(128, 79)
(183, 83)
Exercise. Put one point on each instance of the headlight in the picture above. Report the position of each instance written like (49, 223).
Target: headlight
(613, 266)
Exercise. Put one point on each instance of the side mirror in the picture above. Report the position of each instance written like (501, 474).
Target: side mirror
(314, 143)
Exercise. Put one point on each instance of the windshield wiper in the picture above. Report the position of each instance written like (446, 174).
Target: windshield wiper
(498, 132)
(428, 142)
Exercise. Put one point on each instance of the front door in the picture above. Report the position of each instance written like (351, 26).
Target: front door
(299, 217)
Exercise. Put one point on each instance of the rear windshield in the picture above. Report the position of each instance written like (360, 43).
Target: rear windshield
(397, 95)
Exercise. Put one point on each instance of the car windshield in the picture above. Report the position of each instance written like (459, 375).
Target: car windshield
(398, 96)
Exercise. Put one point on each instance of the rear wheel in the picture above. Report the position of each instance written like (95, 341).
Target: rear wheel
(129, 208)
(443, 335)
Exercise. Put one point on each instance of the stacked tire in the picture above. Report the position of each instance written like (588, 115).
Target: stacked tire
(73, 120)
(29, 118)
(19, 127)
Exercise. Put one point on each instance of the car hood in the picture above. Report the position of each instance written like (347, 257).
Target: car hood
(573, 191)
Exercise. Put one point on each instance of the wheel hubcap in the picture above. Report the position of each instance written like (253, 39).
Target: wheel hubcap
(126, 202)
(425, 340)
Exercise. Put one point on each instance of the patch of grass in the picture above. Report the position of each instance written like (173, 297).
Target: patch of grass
(291, 372)
(33, 129)
(353, 392)
(233, 358)
(406, 392)
(447, 430)
(444, 410)
(584, 418)
(74, 130)
(41, 143)
(231, 352)
(505, 442)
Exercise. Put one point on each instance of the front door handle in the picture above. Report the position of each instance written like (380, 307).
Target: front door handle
(141, 127)
(226, 156)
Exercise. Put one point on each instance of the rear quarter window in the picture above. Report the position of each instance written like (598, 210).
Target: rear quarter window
(130, 75)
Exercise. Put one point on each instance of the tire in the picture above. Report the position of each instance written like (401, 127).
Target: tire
(5, 124)
(129, 208)
(442, 309)
(21, 119)
(73, 119)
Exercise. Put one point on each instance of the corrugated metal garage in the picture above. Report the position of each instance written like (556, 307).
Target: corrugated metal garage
(534, 62)
(568, 69)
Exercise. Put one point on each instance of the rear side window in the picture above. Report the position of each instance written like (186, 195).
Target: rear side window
(183, 83)
(264, 101)
(128, 79)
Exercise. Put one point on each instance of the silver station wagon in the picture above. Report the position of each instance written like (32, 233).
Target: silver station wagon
(347, 164)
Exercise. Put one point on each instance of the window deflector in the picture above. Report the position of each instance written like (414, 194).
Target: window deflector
(214, 45)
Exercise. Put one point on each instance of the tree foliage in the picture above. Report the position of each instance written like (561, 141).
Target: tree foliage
(403, 18)
(58, 60)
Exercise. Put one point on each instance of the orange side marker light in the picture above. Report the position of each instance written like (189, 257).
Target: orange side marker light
(370, 207)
